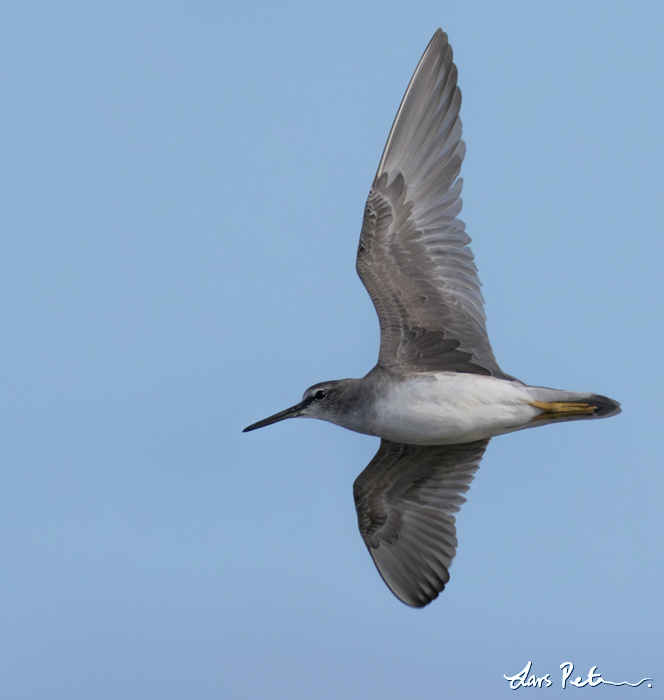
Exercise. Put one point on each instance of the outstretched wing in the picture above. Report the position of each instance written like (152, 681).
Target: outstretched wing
(413, 255)
(406, 499)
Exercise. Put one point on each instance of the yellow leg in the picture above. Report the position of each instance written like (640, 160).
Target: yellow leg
(562, 409)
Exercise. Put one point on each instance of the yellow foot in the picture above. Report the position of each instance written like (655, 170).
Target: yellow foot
(562, 409)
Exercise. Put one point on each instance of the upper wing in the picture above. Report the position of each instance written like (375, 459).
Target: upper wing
(413, 255)
(405, 502)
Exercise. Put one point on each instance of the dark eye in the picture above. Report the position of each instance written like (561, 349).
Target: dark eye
(320, 395)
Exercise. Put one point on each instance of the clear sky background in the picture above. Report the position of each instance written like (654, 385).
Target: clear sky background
(182, 192)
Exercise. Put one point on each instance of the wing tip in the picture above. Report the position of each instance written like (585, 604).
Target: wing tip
(416, 593)
(437, 53)
(439, 36)
(419, 604)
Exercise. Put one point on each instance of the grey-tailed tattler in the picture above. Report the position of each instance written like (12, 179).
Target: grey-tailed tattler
(437, 395)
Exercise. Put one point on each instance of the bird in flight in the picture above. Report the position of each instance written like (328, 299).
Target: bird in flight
(436, 395)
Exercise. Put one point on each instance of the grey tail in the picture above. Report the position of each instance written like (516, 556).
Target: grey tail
(561, 406)
(606, 407)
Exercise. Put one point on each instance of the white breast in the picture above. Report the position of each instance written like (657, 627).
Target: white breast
(444, 408)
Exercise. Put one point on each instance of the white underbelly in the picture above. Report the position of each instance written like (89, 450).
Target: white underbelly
(446, 408)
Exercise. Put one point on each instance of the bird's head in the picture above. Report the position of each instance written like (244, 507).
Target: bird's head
(330, 401)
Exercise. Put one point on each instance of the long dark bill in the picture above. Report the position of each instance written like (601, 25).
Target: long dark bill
(291, 412)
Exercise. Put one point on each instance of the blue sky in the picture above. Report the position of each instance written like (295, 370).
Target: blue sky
(182, 192)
